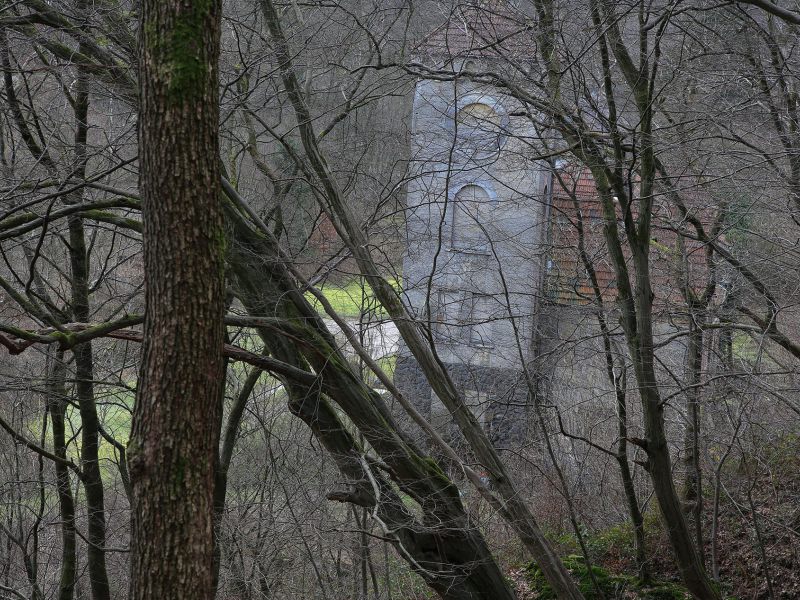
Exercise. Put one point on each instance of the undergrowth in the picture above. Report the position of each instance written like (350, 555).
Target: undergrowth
(610, 585)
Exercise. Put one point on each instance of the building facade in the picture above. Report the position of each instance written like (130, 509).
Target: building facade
(477, 209)
(492, 265)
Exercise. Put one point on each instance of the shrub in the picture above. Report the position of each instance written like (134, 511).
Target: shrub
(611, 585)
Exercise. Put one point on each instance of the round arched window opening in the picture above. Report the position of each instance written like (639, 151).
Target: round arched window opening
(471, 215)
(479, 130)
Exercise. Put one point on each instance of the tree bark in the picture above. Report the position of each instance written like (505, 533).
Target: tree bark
(56, 405)
(177, 417)
(693, 483)
(84, 358)
(443, 547)
(512, 507)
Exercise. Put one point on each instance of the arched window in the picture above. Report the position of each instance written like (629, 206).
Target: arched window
(479, 131)
(471, 210)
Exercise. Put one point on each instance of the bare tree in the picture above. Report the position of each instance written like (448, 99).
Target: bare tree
(273, 453)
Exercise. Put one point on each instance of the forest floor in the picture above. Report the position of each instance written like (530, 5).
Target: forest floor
(757, 559)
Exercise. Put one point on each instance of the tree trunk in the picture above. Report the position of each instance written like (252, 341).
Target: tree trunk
(634, 509)
(693, 484)
(177, 418)
(640, 343)
(617, 378)
(56, 405)
(90, 423)
(228, 442)
(448, 552)
(512, 507)
(84, 361)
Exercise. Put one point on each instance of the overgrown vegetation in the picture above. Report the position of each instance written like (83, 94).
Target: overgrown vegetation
(604, 584)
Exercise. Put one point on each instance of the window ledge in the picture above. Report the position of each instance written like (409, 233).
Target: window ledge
(470, 251)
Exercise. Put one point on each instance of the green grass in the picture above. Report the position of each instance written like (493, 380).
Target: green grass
(745, 348)
(114, 405)
(351, 299)
(114, 408)
(388, 364)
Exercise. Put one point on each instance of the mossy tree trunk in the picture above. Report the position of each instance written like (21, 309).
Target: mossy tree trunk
(442, 546)
(332, 201)
(177, 417)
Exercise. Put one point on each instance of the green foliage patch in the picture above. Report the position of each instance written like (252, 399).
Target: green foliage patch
(611, 585)
(351, 299)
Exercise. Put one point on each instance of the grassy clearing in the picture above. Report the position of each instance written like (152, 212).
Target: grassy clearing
(745, 348)
(351, 299)
(115, 402)
(388, 364)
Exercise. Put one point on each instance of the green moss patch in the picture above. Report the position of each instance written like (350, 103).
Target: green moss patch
(611, 585)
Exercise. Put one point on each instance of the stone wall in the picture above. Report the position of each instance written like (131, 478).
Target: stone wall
(475, 221)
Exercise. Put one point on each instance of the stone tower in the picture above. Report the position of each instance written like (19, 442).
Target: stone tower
(476, 217)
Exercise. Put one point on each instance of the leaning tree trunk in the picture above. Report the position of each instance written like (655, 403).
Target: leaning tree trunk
(509, 502)
(442, 546)
(176, 421)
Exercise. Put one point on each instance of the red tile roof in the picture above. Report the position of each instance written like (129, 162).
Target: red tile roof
(478, 28)
(671, 254)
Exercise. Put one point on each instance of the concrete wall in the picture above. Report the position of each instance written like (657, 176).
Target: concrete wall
(472, 266)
